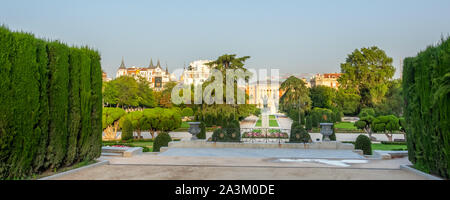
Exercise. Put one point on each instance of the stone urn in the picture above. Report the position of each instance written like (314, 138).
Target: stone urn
(194, 129)
(326, 129)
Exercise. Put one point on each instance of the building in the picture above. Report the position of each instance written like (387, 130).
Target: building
(105, 77)
(156, 75)
(330, 80)
(262, 92)
(196, 73)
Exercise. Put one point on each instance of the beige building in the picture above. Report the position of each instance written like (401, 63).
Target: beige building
(154, 74)
(261, 92)
(330, 80)
(196, 73)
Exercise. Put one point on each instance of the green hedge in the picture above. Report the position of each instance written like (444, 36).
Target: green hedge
(162, 140)
(363, 143)
(45, 110)
(426, 92)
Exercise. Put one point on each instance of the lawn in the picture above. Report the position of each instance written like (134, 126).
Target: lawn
(273, 123)
(147, 145)
(184, 125)
(272, 117)
(389, 147)
(345, 126)
(258, 123)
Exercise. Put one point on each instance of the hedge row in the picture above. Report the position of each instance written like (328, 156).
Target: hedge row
(426, 86)
(50, 104)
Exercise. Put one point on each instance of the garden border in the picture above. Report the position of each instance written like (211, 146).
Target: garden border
(102, 162)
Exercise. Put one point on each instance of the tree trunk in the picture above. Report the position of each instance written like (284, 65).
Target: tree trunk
(389, 136)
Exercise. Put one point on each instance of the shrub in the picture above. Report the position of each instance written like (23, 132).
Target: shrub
(363, 142)
(309, 123)
(202, 134)
(299, 134)
(127, 129)
(162, 140)
(187, 112)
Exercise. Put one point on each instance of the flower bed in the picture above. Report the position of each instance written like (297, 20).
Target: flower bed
(273, 133)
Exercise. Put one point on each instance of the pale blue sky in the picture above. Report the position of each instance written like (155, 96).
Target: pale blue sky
(294, 36)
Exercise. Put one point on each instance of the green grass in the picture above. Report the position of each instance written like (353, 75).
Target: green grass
(345, 126)
(147, 146)
(184, 125)
(389, 147)
(273, 123)
(258, 123)
(271, 117)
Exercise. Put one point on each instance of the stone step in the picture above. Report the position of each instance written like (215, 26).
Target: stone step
(112, 154)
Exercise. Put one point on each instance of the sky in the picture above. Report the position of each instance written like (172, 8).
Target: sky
(293, 36)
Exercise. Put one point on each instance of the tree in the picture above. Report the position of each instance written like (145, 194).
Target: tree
(127, 129)
(228, 61)
(145, 94)
(295, 93)
(347, 101)
(365, 121)
(393, 102)
(110, 122)
(323, 97)
(366, 72)
(386, 124)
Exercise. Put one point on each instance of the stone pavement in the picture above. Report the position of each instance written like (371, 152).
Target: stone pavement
(262, 153)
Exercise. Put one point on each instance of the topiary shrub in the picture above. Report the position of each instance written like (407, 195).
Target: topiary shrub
(187, 112)
(162, 140)
(299, 134)
(231, 132)
(363, 142)
(202, 134)
(127, 129)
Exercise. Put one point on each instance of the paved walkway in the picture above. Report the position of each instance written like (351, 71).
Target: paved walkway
(152, 167)
(262, 153)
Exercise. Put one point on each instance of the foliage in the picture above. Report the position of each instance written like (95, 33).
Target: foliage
(295, 92)
(111, 115)
(323, 97)
(366, 72)
(127, 129)
(202, 134)
(299, 134)
(45, 105)
(309, 124)
(426, 92)
(230, 132)
(187, 112)
(386, 124)
(129, 92)
(363, 142)
(393, 103)
(347, 101)
(365, 112)
(162, 140)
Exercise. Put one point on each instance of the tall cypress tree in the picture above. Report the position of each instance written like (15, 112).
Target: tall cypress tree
(42, 60)
(85, 97)
(6, 137)
(74, 117)
(58, 103)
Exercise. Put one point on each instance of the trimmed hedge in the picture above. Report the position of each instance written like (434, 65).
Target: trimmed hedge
(202, 134)
(363, 142)
(299, 134)
(42, 114)
(162, 140)
(426, 92)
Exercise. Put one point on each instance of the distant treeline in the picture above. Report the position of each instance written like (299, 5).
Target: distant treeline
(50, 105)
(426, 86)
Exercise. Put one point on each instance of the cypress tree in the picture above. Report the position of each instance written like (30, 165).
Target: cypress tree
(85, 97)
(6, 136)
(25, 94)
(74, 117)
(58, 103)
(96, 110)
(42, 60)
